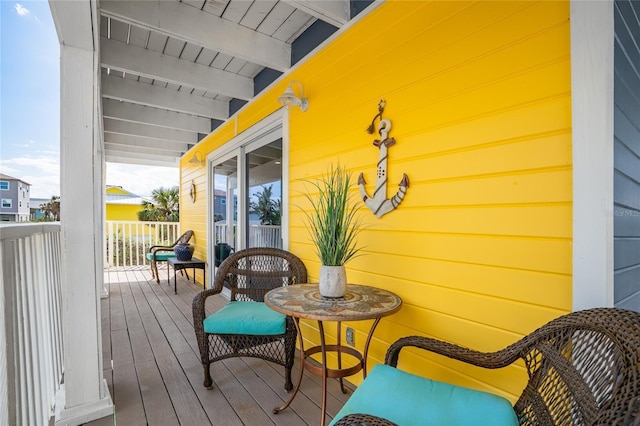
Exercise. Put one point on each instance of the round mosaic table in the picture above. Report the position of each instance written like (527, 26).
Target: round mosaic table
(360, 302)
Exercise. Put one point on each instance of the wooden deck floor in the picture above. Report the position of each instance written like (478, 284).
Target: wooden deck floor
(154, 373)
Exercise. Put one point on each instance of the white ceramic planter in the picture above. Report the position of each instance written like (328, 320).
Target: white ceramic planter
(333, 281)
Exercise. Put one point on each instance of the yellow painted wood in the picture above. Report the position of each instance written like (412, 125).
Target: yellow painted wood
(479, 95)
(126, 212)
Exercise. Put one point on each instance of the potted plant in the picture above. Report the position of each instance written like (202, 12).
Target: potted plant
(333, 227)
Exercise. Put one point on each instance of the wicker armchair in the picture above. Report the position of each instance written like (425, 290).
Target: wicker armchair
(162, 253)
(583, 370)
(237, 329)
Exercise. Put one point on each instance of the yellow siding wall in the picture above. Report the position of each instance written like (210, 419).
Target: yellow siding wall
(126, 212)
(122, 212)
(479, 99)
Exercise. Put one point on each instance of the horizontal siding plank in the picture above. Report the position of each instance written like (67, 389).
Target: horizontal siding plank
(626, 161)
(504, 252)
(491, 190)
(535, 220)
(628, 26)
(381, 269)
(625, 88)
(626, 222)
(626, 191)
(533, 120)
(627, 252)
(632, 303)
(551, 256)
(626, 131)
(627, 283)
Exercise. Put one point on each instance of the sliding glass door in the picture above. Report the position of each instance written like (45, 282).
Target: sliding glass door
(264, 181)
(247, 187)
(225, 206)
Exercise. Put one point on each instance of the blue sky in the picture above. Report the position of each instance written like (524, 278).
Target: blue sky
(30, 109)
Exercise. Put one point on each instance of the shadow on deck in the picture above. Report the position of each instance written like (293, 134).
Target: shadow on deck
(152, 365)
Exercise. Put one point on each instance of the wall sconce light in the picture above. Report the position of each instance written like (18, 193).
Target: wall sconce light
(197, 159)
(289, 98)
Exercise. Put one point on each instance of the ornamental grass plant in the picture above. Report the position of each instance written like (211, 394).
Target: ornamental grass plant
(333, 222)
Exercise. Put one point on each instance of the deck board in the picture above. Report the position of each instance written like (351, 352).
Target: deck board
(152, 364)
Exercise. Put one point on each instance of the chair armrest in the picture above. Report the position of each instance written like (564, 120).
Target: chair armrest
(199, 314)
(498, 359)
(155, 249)
(198, 305)
(160, 248)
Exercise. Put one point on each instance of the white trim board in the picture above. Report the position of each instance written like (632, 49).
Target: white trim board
(592, 42)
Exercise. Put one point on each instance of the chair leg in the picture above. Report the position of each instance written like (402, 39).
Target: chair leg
(155, 270)
(288, 384)
(208, 383)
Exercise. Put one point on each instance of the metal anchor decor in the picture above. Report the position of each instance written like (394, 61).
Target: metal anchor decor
(379, 204)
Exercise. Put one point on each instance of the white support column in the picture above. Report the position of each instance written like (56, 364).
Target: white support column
(592, 41)
(85, 395)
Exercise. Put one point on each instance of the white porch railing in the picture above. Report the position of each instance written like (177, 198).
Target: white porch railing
(259, 235)
(31, 350)
(126, 243)
(265, 236)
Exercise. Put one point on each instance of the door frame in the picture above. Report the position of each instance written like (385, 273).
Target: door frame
(275, 124)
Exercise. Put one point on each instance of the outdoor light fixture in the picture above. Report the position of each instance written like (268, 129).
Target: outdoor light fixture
(289, 98)
(197, 159)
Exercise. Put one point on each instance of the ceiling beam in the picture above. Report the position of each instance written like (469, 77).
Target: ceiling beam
(146, 143)
(153, 116)
(155, 132)
(123, 89)
(147, 63)
(140, 159)
(187, 23)
(134, 149)
(334, 12)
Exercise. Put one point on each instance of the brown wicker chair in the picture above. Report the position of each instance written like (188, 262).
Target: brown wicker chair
(249, 274)
(162, 253)
(583, 370)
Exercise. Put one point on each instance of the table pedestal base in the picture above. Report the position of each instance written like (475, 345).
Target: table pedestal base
(322, 370)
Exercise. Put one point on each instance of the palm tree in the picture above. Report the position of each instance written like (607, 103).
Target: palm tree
(268, 210)
(51, 209)
(165, 208)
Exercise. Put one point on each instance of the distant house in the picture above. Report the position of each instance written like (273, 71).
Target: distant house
(220, 204)
(35, 209)
(122, 204)
(14, 199)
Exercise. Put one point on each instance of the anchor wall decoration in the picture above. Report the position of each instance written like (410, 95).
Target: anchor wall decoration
(378, 203)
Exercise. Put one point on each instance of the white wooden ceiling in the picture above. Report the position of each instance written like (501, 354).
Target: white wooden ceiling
(169, 67)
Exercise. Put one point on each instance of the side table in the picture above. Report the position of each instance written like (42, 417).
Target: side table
(177, 265)
(303, 301)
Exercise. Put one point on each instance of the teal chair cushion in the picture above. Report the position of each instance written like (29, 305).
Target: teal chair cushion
(252, 318)
(161, 256)
(407, 399)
